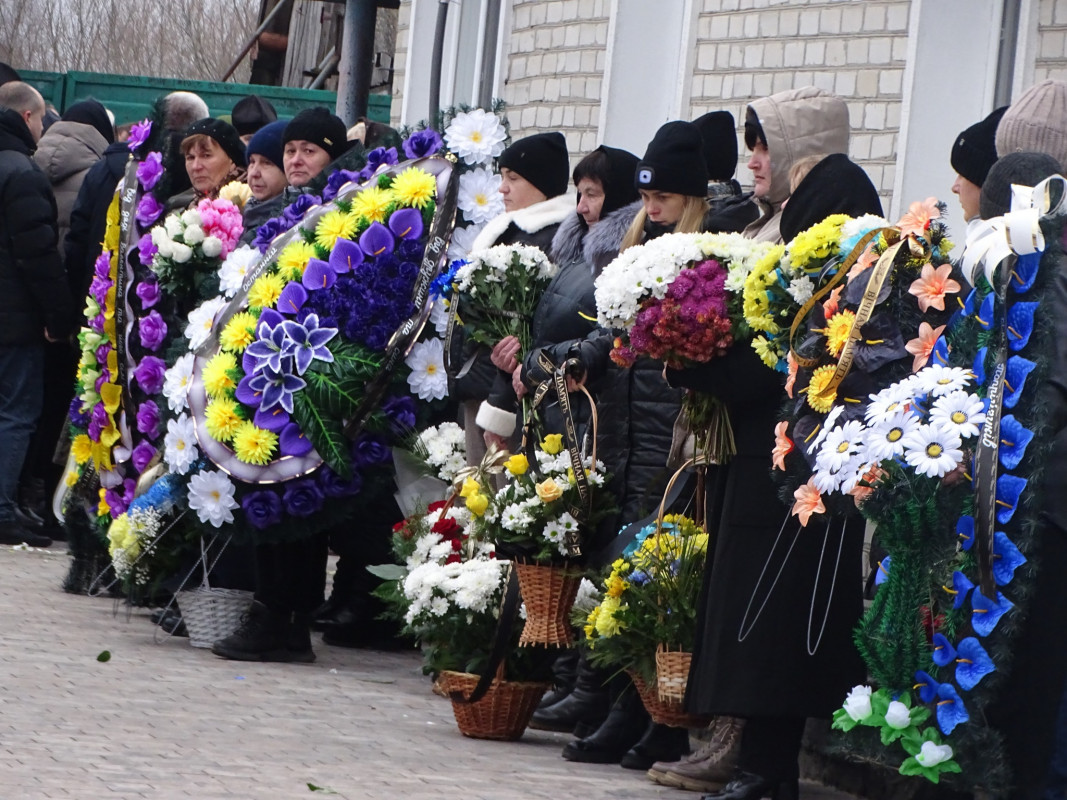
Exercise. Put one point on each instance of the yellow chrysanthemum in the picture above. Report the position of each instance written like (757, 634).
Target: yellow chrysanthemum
(606, 623)
(81, 448)
(819, 399)
(615, 586)
(71, 478)
(238, 333)
(414, 187)
(590, 624)
(332, 226)
(765, 350)
(111, 228)
(817, 242)
(222, 419)
(266, 291)
(373, 204)
(254, 445)
(218, 375)
(293, 260)
(838, 327)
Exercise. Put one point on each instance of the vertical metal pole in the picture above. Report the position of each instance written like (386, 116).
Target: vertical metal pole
(486, 87)
(357, 60)
(435, 61)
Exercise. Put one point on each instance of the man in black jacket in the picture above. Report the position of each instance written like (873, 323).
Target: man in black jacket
(35, 301)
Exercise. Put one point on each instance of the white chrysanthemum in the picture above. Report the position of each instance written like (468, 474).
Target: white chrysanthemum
(479, 196)
(841, 446)
(176, 382)
(179, 445)
(801, 289)
(885, 437)
(211, 497)
(959, 412)
(476, 136)
(201, 320)
(514, 518)
(234, 269)
(939, 380)
(462, 240)
(427, 364)
(858, 227)
(933, 451)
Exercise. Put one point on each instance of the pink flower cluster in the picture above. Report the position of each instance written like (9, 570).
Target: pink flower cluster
(221, 219)
(689, 325)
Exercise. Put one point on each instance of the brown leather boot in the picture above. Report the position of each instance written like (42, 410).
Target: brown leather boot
(711, 767)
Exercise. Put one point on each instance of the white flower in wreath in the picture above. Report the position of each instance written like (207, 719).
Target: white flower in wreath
(439, 316)
(931, 754)
(933, 451)
(885, 437)
(211, 497)
(463, 239)
(858, 703)
(427, 364)
(939, 380)
(898, 716)
(889, 401)
(841, 446)
(801, 289)
(476, 136)
(234, 269)
(176, 382)
(479, 196)
(179, 445)
(201, 320)
(959, 412)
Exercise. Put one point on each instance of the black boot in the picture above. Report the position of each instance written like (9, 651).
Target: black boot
(298, 639)
(620, 731)
(262, 636)
(587, 705)
(747, 786)
(565, 670)
(660, 743)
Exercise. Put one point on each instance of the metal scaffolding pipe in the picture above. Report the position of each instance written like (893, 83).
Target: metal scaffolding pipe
(357, 60)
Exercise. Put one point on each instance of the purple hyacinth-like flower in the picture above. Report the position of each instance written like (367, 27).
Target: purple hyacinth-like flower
(269, 350)
(262, 509)
(277, 387)
(153, 330)
(149, 210)
(307, 342)
(102, 267)
(268, 231)
(139, 133)
(377, 240)
(346, 256)
(293, 442)
(406, 223)
(142, 455)
(148, 419)
(149, 374)
(422, 144)
(146, 250)
(150, 170)
(149, 293)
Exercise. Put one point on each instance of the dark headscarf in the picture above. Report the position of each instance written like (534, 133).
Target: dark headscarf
(834, 186)
(614, 168)
(1024, 169)
(91, 112)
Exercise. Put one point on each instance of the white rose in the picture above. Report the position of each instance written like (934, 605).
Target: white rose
(194, 234)
(165, 249)
(159, 235)
(212, 246)
(858, 703)
(191, 217)
(181, 252)
(173, 226)
(933, 754)
(898, 716)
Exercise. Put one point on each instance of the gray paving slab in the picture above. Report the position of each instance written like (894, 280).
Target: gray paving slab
(164, 720)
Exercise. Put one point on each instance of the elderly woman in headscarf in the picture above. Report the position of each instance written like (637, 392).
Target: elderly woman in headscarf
(214, 156)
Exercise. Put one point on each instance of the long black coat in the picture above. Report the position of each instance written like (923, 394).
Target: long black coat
(761, 649)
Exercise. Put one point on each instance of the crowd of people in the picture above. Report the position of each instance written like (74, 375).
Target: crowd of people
(58, 178)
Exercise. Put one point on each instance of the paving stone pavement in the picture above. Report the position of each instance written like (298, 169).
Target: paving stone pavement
(168, 721)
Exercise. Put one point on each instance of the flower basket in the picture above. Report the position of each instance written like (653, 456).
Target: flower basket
(665, 713)
(212, 613)
(502, 714)
(549, 593)
(672, 673)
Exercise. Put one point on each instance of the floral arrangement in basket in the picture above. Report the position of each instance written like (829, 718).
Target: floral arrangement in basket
(133, 538)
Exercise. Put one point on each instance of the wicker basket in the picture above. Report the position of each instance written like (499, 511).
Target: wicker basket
(672, 674)
(666, 713)
(211, 614)
(502, 714)
(548, 592)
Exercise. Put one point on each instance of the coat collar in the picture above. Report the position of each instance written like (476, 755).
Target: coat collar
(529, 220)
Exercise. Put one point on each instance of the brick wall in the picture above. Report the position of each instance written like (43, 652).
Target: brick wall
(751, 48)
(1051, 56)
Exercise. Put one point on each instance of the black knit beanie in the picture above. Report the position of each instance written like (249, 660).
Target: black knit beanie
(975, 150)
(222, 132)
(542, 160)
(1024, 169)
(834, 186)
(318, 126)
(91, 112)
(252, 113)
(674, 161)
(719, 132)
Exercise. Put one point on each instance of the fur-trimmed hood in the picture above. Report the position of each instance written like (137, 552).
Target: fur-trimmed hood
(597, 246)
(529, 220)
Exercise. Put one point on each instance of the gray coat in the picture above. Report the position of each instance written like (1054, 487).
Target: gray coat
(65, 153)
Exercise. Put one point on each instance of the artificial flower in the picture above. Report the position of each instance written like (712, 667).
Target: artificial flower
(254, 445)
(302, 498)
(262, 508)
(293, 259)
(221, 419)
(783, 445)
(233, 270)
(517, 464)
(932, 451)
(552, 444)
(211, 497)
(334, 225)
(923, 345)
(818, 398)
(477, 504)
(469, 488)
(838, 329)
(479, 196)
(276, 387)
(218, 375)
(792, 368)
(266, 291)
(548, 490)
(149, 375)
(373, 204)
(238, 333)
(939, 380)
(150, 171)
(176, 383)
(898, 715)
(307, 342)
(80, 448)
(808, 502)
(932, 285)
(918, 217)
(139, 133)
(858, 703)
(414, 187)
(180, 450)
(428, 378)
(476, 136)
(841, 446)
(960, 413)
(885, 437)
(201, 321)
(293, 442)
(422, 143)
(463, 240)
(932, 754)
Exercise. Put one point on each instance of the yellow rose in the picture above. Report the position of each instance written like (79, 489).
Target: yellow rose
(553, 443)
(470, 487)
(477, 503)
(517, 464)
(548, 490)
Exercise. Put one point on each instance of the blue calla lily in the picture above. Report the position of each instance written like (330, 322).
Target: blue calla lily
(973, 663)
(984, 314)
(318, 275)
(1020, 324)
(1014, 439)
(882, 575)
(987, 613)
(1006, 558)
(292, 298)
(950, 709)
(345, 256)
(965, 530)
(377, 240)
(969, 303)
(926, 686)
(978, 367)
(1009, 489)
(961, 585)
(944, 653)
(939, 355)
(1015, 379)
(1025, 272)
(406, 223)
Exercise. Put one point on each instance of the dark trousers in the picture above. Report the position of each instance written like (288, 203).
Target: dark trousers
(21, 395)
(291, 576)
(770, 747)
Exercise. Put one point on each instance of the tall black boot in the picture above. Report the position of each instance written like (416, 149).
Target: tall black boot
(660, 743)
(565, 670)
(587, 705)
(620, 731)
(262, 636)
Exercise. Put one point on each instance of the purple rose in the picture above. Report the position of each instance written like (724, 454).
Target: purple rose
(296, 211)
(333, 485)
(139, 134)
(148, 419)
(269, 231)
(263, 509)
(102, 267)
(400, 409)
(149, 210)
(378, 157)
(146, 250)
(370, 450)
(149, 293)
(141, 456)
(77, 417)
(336, 181)
(98, 289)
(302, 498)
(153, 330)
(150, 170)
(422, 144)
(101, 353)
(149, 374)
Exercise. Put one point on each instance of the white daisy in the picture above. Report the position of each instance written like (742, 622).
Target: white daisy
(888, 402)
(932, 451)
(826, 427)
(176, 382)
(939, 380)
(476, 136)
(885, 437)
(235, 267)
(514, 518)
(201, 319)
(827, 480)
(841, 445)
(427, 364)
(479, 196)
(959, 412)
(179, 445)
(211, 497)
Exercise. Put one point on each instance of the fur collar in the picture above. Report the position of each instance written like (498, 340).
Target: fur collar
(530, 219)
(603, 241)
(567, 243)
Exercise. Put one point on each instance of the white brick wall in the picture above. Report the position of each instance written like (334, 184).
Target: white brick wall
(1051, 57)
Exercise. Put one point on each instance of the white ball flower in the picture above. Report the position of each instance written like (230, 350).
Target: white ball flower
(180, 253)
(193, 235)
(173, 225)
(898, 716)
(858, 703)
(212, 247)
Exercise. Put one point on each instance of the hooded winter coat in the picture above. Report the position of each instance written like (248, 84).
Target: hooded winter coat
(33, 286)
(66, 152)
(797, 123)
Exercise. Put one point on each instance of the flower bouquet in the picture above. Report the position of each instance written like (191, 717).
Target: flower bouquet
(428, 466)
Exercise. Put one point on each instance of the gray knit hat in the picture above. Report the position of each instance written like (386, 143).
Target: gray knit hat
(1036, 122)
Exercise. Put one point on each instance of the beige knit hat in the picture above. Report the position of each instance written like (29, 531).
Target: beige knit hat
(1036, 122)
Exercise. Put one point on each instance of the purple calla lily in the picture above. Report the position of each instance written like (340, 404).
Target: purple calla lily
(377, 240)
(293, 442)
(346, 256)
(406, 223)
(318, 275)
(274, 420)
(292, 298)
